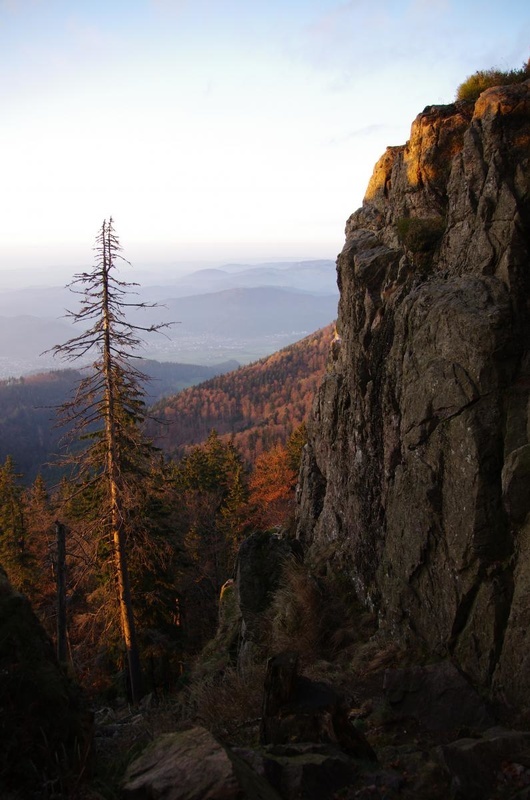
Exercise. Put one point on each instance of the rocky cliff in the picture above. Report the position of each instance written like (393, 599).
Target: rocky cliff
(416, 477)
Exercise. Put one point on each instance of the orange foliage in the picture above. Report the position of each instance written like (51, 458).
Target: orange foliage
(256, 407)
(271, 488)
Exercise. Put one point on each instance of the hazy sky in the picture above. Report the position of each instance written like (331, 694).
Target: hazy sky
(218, 129)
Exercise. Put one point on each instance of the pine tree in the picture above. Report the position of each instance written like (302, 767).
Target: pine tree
(107, 413)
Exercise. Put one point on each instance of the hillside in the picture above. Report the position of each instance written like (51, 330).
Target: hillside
(27, 408)
(259, 405)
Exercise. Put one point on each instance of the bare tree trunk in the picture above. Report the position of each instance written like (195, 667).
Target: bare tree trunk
(126, 613)
(117, 511)
(109, 407)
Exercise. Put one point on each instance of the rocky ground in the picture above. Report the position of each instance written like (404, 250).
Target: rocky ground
(390, 734)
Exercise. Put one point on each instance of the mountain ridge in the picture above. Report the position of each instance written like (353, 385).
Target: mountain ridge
(256, 407)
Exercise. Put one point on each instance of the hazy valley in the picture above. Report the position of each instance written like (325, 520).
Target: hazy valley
(238, 312)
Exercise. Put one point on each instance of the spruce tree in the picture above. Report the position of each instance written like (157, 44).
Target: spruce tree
(106, 415)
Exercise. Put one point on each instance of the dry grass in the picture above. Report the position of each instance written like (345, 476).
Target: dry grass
(295, 616)
(318, 619)
(374, 656)
(228, 706)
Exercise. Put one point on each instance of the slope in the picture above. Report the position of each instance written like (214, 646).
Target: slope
(28, 408)
(258, 405)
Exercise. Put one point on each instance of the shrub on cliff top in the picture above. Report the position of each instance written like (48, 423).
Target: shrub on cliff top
(483, 79)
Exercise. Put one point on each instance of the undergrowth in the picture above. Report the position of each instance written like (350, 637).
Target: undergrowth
(319, 618)
(294, 617)
(229, 705)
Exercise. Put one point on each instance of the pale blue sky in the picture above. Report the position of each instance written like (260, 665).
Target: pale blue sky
(218, 129)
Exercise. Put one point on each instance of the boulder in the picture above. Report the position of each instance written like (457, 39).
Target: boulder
(482, 768)
(297, 709)
(192, 765)
(312, 771)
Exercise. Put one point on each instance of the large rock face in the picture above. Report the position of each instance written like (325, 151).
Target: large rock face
(416, 478)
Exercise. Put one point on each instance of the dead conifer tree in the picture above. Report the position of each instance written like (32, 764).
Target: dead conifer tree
(107, 411)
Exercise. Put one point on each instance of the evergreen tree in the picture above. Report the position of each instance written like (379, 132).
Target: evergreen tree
(107, 414)
(210, 483)
(15, 555)
(39, 521)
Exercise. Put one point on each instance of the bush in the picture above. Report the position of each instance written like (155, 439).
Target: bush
(420, 235)
(483, 79)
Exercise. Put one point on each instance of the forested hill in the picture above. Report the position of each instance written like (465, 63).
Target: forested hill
(28, 408)
(259, 405)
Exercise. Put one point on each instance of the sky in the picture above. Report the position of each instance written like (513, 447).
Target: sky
(218, 130)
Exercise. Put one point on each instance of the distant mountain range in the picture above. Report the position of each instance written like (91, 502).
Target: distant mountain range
(239, 311)
(315, 277)
(248, 312)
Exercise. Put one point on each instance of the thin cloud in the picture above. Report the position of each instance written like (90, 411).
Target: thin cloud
(171, 5)
(430, 6)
